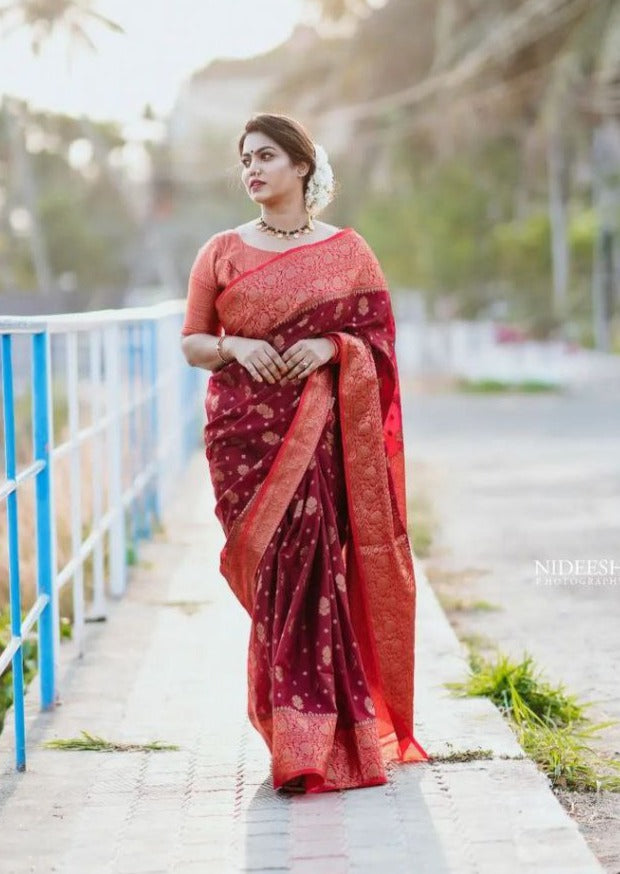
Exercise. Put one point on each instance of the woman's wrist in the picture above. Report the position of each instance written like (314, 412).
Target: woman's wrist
(335, 353)
(226, 354)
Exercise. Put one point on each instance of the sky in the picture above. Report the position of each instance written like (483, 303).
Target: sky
(165, 41)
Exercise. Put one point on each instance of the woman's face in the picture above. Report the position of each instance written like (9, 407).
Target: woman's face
(264, 160)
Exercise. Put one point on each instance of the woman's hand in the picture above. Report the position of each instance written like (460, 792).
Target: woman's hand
(304, 356)
(258, 357)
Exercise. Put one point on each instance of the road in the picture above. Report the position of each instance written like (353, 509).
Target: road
(520, 478)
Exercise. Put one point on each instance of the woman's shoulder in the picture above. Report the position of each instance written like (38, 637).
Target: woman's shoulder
(356, 234)
(219, 240)
(366, 259)
(219, 247)
(362, 244)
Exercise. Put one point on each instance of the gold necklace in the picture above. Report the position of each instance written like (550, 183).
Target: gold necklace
(262, 225)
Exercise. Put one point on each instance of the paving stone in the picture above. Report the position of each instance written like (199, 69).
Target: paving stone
(210, 806)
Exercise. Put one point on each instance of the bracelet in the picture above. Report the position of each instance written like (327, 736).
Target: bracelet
(219, 349)
(336, 348)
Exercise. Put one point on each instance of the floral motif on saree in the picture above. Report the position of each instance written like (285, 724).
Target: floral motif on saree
(309, 480)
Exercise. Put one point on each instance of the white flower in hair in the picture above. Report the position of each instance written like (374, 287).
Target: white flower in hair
(320, 188)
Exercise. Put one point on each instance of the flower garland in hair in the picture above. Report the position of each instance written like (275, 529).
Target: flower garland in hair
(320, 188)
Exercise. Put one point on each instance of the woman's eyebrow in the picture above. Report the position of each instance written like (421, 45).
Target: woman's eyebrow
(262, 148)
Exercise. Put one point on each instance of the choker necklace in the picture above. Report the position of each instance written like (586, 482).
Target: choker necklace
(262, 225)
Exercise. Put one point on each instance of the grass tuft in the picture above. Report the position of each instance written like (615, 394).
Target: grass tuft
(460, 605)
(494, 386)
(511, 684)
(463, 755)
(92, 742)
(551, 724)
(421, 525)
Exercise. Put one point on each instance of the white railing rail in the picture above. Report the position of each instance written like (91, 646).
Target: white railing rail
(128, 411)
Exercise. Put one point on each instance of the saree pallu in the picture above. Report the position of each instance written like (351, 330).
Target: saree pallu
(309, 484)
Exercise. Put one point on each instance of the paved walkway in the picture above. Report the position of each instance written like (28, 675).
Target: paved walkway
(169, 665)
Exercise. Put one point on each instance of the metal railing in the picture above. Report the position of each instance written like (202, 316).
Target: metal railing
(131, 408)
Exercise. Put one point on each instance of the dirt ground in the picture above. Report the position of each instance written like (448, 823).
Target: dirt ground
(513, 479)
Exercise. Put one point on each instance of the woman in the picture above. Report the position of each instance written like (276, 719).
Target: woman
(305, 451)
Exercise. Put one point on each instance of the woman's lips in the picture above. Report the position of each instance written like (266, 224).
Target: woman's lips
(256, 185)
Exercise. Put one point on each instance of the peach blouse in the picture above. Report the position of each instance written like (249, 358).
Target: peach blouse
(224, 256)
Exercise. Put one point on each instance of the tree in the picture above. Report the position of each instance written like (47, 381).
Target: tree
(552, 66)
(41, 18)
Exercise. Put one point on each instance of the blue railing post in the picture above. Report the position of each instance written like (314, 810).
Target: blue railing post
(154, 419)
(155, 397)
(44, 516)
(17, 661)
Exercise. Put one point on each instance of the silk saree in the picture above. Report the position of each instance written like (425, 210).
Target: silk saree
(309, 482)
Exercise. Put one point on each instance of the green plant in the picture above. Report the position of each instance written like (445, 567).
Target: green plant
(550, 724)
(29, 650)
(487, 386)
(421, 524)
(89, 741)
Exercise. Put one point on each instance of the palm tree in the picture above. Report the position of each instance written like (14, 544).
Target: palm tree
(42, 18)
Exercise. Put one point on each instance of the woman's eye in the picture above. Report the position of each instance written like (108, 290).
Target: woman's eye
(246, 162)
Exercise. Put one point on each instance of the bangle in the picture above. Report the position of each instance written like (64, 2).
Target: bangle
(336, 352)
(219, 349)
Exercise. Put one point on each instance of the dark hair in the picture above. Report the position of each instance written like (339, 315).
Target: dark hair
(288, 133)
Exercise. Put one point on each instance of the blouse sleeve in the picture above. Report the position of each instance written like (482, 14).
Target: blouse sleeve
(202, 289)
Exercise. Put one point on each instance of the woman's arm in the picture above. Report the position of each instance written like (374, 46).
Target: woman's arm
(258, 356)
(201, 328)
(200, 350)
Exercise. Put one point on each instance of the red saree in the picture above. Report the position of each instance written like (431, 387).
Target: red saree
(310, 490)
